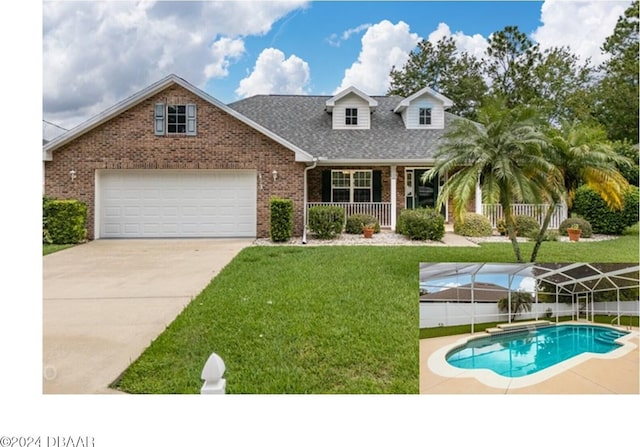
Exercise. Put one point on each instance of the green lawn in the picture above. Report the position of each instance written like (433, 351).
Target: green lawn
(52, 248)
(319, 319)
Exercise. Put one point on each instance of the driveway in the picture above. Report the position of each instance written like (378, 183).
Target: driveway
(105, 301)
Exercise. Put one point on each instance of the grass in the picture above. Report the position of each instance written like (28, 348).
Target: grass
(52, 248)
(319, 319)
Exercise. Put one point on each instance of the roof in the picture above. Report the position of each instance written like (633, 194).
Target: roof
(482, 293)
(427, 91)
(149, 91)
(304, 122)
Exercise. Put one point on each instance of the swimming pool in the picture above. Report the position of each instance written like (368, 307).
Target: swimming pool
(528, 352)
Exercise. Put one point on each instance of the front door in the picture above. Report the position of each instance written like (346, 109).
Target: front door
(417, 193)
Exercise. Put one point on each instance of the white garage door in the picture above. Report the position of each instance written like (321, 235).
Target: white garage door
(169, 203)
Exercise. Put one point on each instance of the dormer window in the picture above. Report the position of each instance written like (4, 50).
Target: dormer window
(425, 116)
(351, 117)
(175, 119)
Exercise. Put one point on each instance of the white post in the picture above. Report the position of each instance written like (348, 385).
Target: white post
(394, 181)
(212, 375)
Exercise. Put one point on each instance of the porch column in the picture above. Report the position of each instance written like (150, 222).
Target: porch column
(478, 198)
(394, 180)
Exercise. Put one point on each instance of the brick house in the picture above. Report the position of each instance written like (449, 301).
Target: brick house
(172, 161)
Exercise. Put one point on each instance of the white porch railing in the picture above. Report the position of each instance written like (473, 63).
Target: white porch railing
(494, 213)
(380, 210)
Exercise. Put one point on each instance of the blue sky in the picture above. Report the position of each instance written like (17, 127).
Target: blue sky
(95, 54)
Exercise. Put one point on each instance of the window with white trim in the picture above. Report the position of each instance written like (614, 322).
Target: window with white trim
(351, 116)
(351, 186)
(175, 119)
(425, 116)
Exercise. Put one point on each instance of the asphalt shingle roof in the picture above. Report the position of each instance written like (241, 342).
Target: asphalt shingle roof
(303, 121)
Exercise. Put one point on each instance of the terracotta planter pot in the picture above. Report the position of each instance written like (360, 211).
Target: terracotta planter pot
(368, 232)
(574, 235)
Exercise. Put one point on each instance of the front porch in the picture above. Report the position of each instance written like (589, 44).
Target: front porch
(383, 191)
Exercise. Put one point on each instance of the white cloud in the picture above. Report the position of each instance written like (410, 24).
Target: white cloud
(383, 46)
(527, 285)
(582, 26)
(222, 52)
(475, 45)
(335, 40)
(273, 73)
(97, 53)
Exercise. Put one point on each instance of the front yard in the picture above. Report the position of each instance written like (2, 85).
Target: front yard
(296, 319)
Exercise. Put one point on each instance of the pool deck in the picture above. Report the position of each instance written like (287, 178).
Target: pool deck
(617, 375)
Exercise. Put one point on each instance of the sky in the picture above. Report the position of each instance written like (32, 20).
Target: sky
(519, 283)
(95, 54)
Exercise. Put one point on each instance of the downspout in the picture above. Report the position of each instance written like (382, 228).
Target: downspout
(304, 201)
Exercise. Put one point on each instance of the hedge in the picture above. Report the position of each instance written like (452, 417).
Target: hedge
(473, 225)
(421, 224)
(588, 204)
(281, 219)
(64, 221)
(326, 222)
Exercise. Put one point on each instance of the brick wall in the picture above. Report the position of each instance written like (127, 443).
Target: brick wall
(222, 142)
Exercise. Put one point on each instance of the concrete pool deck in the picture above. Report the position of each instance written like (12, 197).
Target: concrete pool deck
(618, 375)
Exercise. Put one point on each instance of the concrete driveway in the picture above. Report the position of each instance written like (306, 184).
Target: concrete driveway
(105, 301)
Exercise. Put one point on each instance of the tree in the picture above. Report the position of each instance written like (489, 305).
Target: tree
(618, 93)
(504, 154)
(511, 59)
(584, 155)
(553, 81)
(455, 74)
(520, 302)
(581, 155)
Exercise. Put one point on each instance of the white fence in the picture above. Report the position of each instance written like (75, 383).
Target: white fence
(453, 314)
(379, 210)
(494, 213)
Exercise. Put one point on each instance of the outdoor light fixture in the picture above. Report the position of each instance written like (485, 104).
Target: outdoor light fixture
(72, 174)
(275, 175)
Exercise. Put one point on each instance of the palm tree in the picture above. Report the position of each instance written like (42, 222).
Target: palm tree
(520, 302)
(503, 152)
(582, 154)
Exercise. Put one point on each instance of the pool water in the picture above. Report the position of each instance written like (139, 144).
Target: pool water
(523, 353)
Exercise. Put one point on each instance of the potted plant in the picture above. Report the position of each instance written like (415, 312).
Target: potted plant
(574, 232)
(368, 230)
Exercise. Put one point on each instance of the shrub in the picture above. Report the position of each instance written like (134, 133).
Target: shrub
(525, 225)
(473, 225)
(281, 221)
(421, 224)
(585, 226)
(64, 221)
(356, 222)
(588, 204)
(326, 221)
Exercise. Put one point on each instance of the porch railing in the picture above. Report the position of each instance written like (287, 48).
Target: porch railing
(494, 213)
(380, 210)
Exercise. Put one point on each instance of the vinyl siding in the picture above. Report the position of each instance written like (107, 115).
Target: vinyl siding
(348, 102)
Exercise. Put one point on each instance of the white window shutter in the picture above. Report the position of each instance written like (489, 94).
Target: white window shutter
(159, 119)
(191, 119)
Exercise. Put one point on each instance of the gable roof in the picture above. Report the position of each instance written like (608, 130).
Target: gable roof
(446, 102)
(331, 102)
(153, 89)
(303, 121)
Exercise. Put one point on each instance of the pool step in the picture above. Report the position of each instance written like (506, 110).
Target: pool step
(519, 326)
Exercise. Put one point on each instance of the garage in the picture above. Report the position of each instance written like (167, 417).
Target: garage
(175, 203)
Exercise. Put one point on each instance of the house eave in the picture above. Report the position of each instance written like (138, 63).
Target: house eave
(376, 162)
